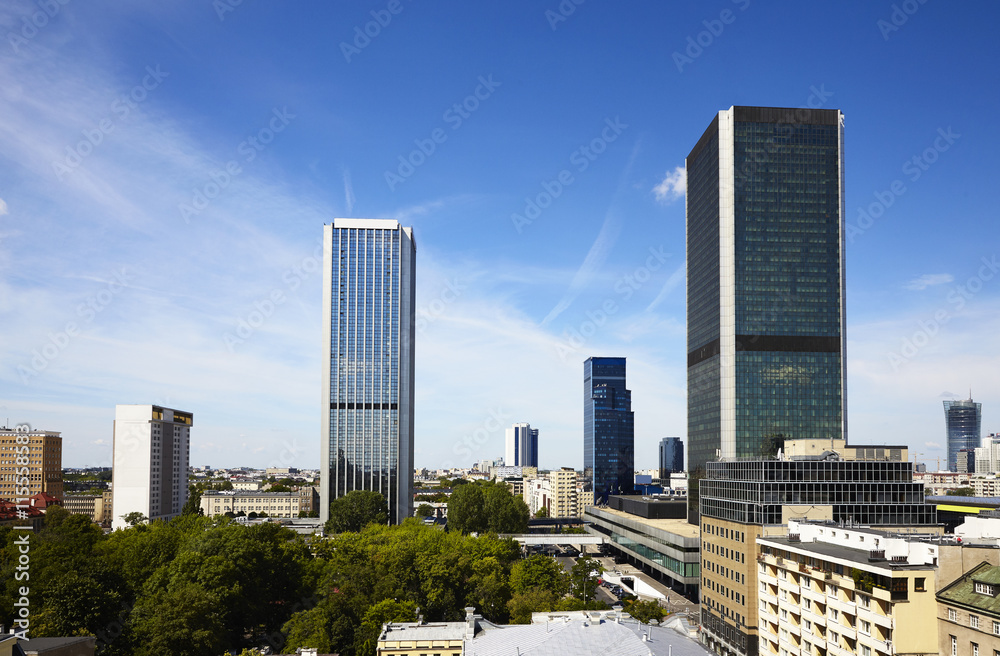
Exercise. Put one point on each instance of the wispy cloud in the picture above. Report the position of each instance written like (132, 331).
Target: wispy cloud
(932, 445)
(348, 193)
(673, 186)
(929, 280)
(3, 207)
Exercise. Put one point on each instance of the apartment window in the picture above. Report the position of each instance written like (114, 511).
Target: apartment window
(865, 627)
(784, 614)
(918, 585)
(954, 646)
(866, 650)
(864, 602)
(807, 625)
(974, 621)
(808, 603)
(975, 649)
(996, 628)
(952, 614)
(984, 588)
(834, 613)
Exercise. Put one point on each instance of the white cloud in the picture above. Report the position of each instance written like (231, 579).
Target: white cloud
(3, 207)
(674, 186)
(928, 280)
(932, 445)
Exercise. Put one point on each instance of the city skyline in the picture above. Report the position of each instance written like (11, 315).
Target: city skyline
(157, 205)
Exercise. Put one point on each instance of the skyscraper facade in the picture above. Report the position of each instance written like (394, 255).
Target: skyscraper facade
(765, 282)
(963, 422)
(521, 446)
(368, 362)
(671, 457)
(152, 449)
(608, 429)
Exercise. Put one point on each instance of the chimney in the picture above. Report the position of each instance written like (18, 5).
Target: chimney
(470, 622)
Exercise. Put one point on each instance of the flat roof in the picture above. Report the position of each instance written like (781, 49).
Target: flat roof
(430, 631)
(859, 556)
(676, 526)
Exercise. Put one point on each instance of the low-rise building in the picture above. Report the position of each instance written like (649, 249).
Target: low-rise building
(91, 505)
(969, 613)
(275, 504)
(653, 535)
(827, 589)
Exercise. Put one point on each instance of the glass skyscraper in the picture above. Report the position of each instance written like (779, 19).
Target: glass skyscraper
(608, 429)
(964, 422)
(368, 358)
(671, 458)
(765, 283)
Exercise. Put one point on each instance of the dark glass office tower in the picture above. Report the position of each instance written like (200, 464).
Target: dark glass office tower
(608, 429)
(368, 362)
(963, 421)
(671, 458)
(765, 283)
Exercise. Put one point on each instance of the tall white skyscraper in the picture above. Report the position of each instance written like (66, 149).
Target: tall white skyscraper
(522, 446)
(151, 453)
(369, 314)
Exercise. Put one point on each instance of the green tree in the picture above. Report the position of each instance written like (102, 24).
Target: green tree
(523, 604)
(644, 610)
(135, 518)
(961, 492)
(193, 504)
(387, 610)
(538, 572)
(583, 578)
(355, 510)
(184, 621)
(542, 513)
(425, 510)
(487, 506)
(278, 487)
(466, 511)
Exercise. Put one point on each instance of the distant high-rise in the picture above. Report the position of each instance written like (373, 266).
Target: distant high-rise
(671, 457)
(608, 429)
(963, 422)
(368, 362)
(765, 282)
(151, 452)
(522, 446)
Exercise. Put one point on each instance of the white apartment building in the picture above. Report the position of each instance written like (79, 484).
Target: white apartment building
(560, 493)
(985, 486)
(834, 591)
(151, 454)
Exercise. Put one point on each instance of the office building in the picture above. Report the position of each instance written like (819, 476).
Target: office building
(671, 458)
(827, 589)
(521, 446)
(988, 455)
(91, 505)
(765, 283)
(963, 423)
(41, 452)
(271, 504)
(608, 429)
(743, 500)
(368, 362)
(151, 450)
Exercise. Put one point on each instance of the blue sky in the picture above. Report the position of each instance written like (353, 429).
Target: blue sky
(165, 172)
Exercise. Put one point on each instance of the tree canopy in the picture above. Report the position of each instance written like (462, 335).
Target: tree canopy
(487, 507)
(355, 510)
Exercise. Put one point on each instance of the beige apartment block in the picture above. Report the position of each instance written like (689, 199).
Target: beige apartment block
(969, 613)
(826, 590)
(91, 505)
(30, 461)
(275, 504)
